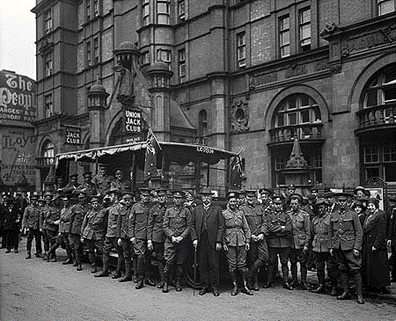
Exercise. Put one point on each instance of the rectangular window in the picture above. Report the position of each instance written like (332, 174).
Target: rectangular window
(241, 49)
(292, 118)
(89, 54)
(280, 120)
(389, 154)
(48, 21)
(163, 55)
(96, 8)
(182, 64)
(48, 64)
(96, 51)
(304, 116)
(182, 9)
(371, 155)
(88, 9)
(305, 29)
(284, 36)
(385, 6)
(49, 107)
(146, 12)
(280, 163)
(163, 12)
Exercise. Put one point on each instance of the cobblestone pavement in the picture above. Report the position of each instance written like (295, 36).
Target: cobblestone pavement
(37, 290)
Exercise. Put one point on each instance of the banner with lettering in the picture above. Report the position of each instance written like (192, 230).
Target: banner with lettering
(73, 135)
(17, 154)
(17, 97)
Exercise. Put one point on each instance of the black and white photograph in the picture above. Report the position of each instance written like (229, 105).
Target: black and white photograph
(198, 160)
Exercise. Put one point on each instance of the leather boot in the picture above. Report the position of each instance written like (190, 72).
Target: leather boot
(179, 272)
(79, 267)
(135, 268)
(117, 273)
(270, 276)
(165, 288)
(244, 288)
(285, 272)
(128, 275)
(304, 285)
(255, 282)
(140, 283)
(321, 287)
(359, 287)
(333, 287)
(105, 269)
(29, 256)
(69, 257)
(234, 291)
(345, 285)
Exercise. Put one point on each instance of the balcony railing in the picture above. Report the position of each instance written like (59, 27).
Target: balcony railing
(45, 161)
(301, 132)
(377, 116)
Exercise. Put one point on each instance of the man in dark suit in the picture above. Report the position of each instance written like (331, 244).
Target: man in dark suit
(207, 233)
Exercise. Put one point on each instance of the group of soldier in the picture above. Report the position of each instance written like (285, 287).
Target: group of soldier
(254, 229)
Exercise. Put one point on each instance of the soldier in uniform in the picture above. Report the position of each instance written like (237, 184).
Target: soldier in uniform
(93, 231)
(76, 219)
(301, 228)
(31, 222)
(346, 243)
(177, 222)
(71, 186)
(155, 233)
(241, 200)
(124, 239)
(112, 235)
(320, 235)
(87, 187)
(207, 231)
(11, 216)
(119, 183)
(138, 221)
(102, 181)
(236, 242)
(64, 229)
(48, 228)
(265, 197)
(257, 255)
(279, 229)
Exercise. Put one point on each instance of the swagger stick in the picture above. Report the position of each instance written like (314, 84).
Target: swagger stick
(195, 269)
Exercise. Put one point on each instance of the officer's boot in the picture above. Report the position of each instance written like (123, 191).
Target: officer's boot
(105, 269)
(134, 265)
(271, 269)
(179, 272)
(78, 260)
(255, 282)
(148, 270)
(140, 273)
(91, 257)
(334, 282)
(285, 274)
(321, 278)
(166, 279)
(244, 288)
(359, 287)
(128, 276)
(29, 255)
(345, 285)
(234, 283)
(161, 272)
(69, 257)
(304, 285)
(117, 272)
(293, 268)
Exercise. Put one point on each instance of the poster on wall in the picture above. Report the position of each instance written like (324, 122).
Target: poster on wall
(17, 155)
(377, 192)
(73, 135)
(17, 97)
(133, 125)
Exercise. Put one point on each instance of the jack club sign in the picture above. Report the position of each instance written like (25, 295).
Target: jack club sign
(17, 97)
(133, 121)
(73, 135)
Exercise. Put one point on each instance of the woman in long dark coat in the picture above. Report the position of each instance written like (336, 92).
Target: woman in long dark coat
(375, 261)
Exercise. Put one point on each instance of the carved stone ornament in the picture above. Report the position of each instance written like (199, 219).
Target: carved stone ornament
(328, 30)
(239, 116)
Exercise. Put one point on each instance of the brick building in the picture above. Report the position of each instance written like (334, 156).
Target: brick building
(231, 74)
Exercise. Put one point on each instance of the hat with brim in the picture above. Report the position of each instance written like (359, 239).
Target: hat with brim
(250, 192)
(373, 200)
(277, 199)
(342, 196)
(320, 201)
(87, 173)
(95, 197)
(266, 191)
(73, 175)
(232, 194)
(205, 191)
(145, 192)
(296, 196)
(130, 193)
(113, 190)
(359, 188)
(161, 192)
(178, 194)
(358, 203)
(34, 197)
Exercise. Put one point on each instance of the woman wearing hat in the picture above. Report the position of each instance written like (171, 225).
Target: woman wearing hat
(375, 262)
(360, 208)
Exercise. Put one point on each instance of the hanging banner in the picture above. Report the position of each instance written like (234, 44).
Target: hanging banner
(73, 135)
(17, 97)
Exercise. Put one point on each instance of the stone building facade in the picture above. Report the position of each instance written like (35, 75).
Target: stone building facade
(248, 75)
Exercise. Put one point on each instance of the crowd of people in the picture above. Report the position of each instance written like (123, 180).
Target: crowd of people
(344, 233)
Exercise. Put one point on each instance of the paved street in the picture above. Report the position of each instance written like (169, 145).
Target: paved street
(38, 290)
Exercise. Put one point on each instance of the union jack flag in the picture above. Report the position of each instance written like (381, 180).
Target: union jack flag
(152, 149)
(236, 172)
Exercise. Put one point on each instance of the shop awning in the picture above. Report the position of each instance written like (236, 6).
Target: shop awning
(179, 153)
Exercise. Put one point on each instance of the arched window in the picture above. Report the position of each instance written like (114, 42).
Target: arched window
(377, 116)
(48, 153)
(202, 126)
(297, 116)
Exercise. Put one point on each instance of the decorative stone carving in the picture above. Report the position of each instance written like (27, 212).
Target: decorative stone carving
(329, 30)
(297, 160)
(239, 116)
